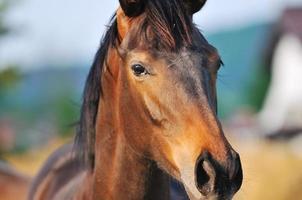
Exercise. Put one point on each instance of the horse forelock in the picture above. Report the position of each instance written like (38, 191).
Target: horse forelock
(170, 23)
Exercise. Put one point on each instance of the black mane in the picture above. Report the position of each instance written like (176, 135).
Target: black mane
(172, 28)
(85, 136)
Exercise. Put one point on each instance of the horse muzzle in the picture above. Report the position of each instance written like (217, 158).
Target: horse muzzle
(213, 180)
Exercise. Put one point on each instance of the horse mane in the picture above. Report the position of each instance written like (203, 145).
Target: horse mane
(85, 133)
(172, 28)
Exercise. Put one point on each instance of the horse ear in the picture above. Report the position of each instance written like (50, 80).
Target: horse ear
(194, 6)
(123, 23)
(132, 8)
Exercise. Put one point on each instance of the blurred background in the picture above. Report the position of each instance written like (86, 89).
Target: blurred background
(47, 47)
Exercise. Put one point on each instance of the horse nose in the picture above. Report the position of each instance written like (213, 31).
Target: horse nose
(211, 177)
(205, 174)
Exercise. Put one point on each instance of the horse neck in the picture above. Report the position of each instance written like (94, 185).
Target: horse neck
(120, 172)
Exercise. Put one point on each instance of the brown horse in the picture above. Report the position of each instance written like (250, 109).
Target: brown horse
(149, 114)
(13, 185)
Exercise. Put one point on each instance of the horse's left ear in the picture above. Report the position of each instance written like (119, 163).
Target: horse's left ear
(133, 8)
(123, 23)
(194, 6)
(127, 11)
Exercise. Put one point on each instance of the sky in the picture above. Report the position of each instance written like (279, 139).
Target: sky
(67, 32)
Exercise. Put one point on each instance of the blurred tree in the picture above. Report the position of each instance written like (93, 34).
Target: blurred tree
(4, 4)
(259, 87)
(10, 75)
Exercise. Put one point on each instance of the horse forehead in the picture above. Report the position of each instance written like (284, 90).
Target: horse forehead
(182, 67)
(191, 71)
(186, 60)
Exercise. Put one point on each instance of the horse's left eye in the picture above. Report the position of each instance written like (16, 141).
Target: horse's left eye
(139, 70)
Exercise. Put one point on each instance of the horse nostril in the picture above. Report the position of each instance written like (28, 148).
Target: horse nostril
(205, 176)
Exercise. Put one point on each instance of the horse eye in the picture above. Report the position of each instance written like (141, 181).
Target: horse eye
(139, 70)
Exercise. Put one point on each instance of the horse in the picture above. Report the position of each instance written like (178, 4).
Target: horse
(11, 181)
(149, 114)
